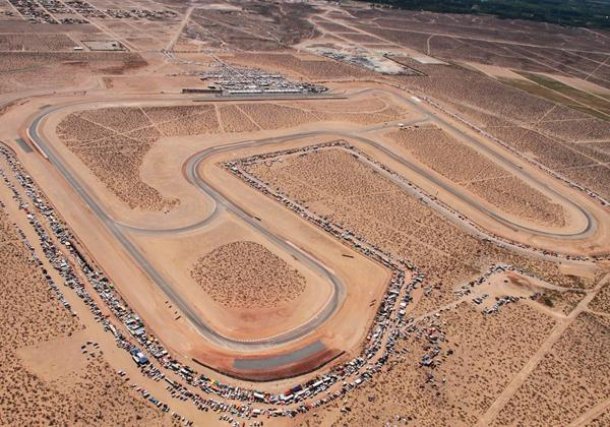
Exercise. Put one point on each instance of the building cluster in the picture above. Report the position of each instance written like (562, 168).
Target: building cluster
(150, 15)
(73, 11)
(32, 11)
(233, 80)
(373, 61)
(359, 60)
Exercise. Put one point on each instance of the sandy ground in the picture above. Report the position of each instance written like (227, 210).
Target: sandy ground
(166, 251)
(52, 360)
(176, 256)
(496, 71)
(471, 370)
(496, 185)
(583, 85)
(565, 379)
(158, 166)
(549, 365)
(185, 208)
(248, 287)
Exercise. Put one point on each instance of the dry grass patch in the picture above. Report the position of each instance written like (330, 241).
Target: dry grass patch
(561, 301)
(479, 356)
(446, 155)
(116, 162)
(578, 130)
(514, 115)
(234, 120)
(204, 122)
(35, 42)
(272, 116)
(32, 70)
(571, 379)
(247, 275)
(602, 420)
(165, 114)
(26, 301)
(113, 142)
(597, 178)
(336, 185)
(366, 105)
(601, 302)
(548, 151)
(477, 173)
(119, 119)
(76, 128)
(512, 195)
(93, 395)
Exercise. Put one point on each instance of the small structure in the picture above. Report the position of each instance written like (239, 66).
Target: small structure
(139, 357)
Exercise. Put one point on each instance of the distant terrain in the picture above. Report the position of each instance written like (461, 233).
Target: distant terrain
(577, 13)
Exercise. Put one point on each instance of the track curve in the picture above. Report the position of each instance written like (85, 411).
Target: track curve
(220, 202)
(338, 288)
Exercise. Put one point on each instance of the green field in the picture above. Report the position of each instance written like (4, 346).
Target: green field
(561, 93)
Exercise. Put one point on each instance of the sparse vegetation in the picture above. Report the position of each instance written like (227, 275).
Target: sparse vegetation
(478, 174)
(528, 338)
(572, 378)
(88, 394)
(339, 187)
(247, 275)
(560, 93)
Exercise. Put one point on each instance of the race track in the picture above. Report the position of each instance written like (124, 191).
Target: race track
(222, 202)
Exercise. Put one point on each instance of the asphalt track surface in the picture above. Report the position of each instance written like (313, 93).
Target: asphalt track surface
(223, 203)
(586, 231)
(338, 288)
